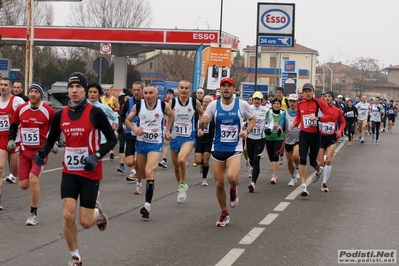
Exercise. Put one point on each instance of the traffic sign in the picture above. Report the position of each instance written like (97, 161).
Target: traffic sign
(100, 65)
(105, 48)
(275, 41)
(13, 75)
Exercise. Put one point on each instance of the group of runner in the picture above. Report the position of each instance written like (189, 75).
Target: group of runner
(299, 127)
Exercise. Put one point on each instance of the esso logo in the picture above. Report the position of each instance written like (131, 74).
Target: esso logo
(204, 36)
(275, 19)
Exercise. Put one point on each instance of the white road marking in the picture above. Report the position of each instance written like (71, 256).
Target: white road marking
(251, 236)
(269, 219)
(231, 257)
(281, 207)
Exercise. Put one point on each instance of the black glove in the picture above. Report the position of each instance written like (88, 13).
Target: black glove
(91, 162)
(39, 158)
(119, 130)
(268, 131)
(278, 132)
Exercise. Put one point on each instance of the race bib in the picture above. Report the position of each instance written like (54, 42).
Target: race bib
(328, 128)
(74, 158)
(182, 129)
(257, 130)
(228, 133)
(152, 135)
(350, 114)
(4, 123)
(30, 136)
(307, 122)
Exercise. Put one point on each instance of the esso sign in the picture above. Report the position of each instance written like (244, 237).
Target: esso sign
(204, 36)
(275, 19)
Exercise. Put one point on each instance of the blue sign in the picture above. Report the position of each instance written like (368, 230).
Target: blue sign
(289, 66)
(275, 41)
(248, 89)
(3, 64)
(13, 75)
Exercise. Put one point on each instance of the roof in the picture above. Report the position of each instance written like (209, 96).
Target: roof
(386, 85)
(391, 67)
(296, 48)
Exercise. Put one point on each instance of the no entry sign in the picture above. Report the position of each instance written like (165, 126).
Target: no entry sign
(105, 48)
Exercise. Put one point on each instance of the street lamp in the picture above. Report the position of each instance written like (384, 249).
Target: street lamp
(30, 40)
(322, 68)
(331, 78)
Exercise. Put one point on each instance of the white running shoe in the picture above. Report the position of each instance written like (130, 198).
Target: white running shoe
(305, 191)
(11, 179)
(75, 261)
(362, 140)
(281, 161)
(32, 219)
(145, 210)
(316, 177)
(182, 195)
(233, 197)
(204, 182)
(247, 166)
(292, 181)
(251, 187)
(297, 176)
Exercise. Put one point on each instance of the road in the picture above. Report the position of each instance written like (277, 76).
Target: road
(273, 226)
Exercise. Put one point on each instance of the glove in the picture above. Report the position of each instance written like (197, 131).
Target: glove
(279, 132)
(55, 149)
(119, 130)
(268, 131)
(91, 162)
(11, 146)
(39, 158)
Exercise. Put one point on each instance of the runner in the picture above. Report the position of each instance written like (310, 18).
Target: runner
(256, 140)
(377, 110)
(184, 134)
(149, 132)
(204, 144)
(350, 114)
(81, 124)
(8, 104)
(170, 94)
(131, 138)
(291, 141)
(391, 113)
(111, 101)
(329, 138)
(363, 109)
(34, 118)
(274, 137)
(228, 114)
(307, 117)
(284, 106)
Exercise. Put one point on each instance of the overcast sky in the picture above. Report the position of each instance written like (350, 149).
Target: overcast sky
(340, 30)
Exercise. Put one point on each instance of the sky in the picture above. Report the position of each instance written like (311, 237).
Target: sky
(340, 30)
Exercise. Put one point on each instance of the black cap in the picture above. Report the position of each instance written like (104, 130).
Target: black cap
(330, 93)
(307, 86)
(170, 91)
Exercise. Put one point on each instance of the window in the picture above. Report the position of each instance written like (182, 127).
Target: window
(272, 61)
(252, 61)
(151, 65)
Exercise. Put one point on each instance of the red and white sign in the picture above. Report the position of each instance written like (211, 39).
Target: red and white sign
(105, 48)
(276, 19)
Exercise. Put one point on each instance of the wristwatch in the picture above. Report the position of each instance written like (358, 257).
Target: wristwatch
(98, 155)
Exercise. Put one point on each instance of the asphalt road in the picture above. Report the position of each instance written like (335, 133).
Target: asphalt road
(273, 226)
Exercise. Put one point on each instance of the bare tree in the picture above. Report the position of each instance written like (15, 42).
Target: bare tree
(176, 65)
(13, 12)
(112, 14)
(364, 74)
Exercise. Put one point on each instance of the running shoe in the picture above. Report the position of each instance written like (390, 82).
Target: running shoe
(250, 173)
(233, 197)
(121, 169)
(349, 143)
(204, 182)
(138, 190)
(324, 187)
(145, 210)
(273, 180)
(201, 168)
(182, 195)
(362, 140)
(281, 161)
(316, 177)
(102, 220)
(247, 166)
(75, 261)
(111, 156)
(251, 187)
(11, 179)
(304, 192)
(357, 138)
(292, 181)
(223, 220)
(297, 176)
(163, 164)
(372, 137)
(32, 219)
(383, 130)
(376, 142)
(131, 177)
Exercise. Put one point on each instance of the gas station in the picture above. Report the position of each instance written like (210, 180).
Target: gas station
(121, 42)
